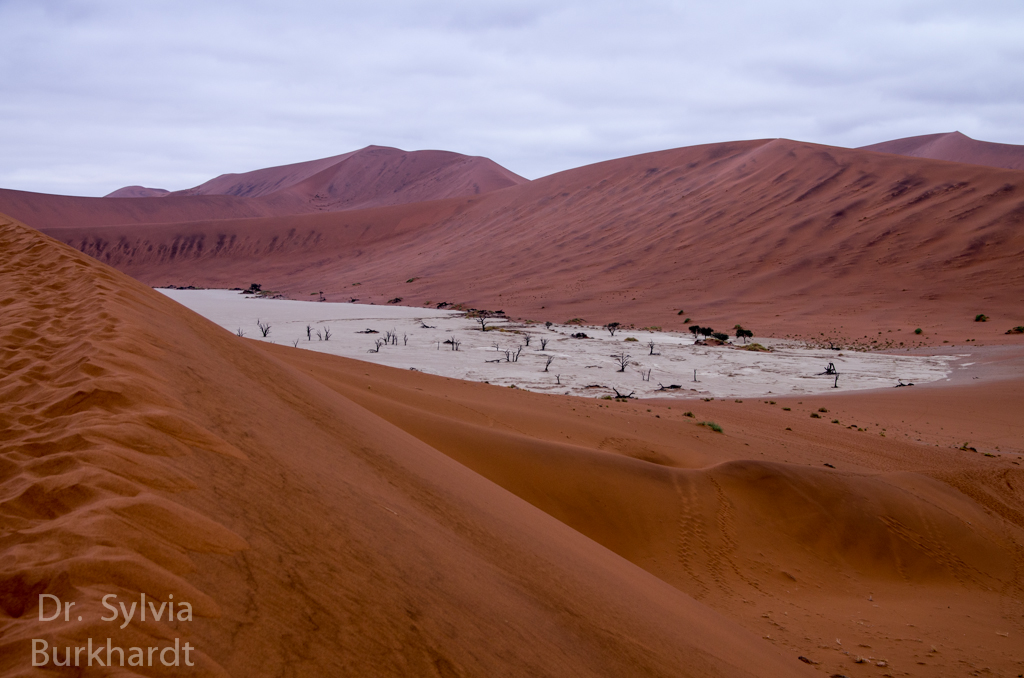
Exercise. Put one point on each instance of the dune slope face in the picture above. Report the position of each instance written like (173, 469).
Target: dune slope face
(954, 147)
(371, 177)
(144, 450)
(833, 543)
(778, 235)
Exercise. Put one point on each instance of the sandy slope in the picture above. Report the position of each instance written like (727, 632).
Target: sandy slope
(954, 147)
(781, 236)
(903, 550)
(146, 450)
(371, 177)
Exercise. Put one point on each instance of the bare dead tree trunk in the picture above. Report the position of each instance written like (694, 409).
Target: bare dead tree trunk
(543, 344)
(527, 339)
(547, 364)
(405, 339)
(239, 332)
(309, 333)
(623, 360)
(264, 327)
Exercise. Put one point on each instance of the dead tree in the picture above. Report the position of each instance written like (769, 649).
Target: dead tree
(623, 360)
(670, 387)
(394, 337)
(543, 344)
(836, 385)
(830, 369)
(377, 343)
(515, 356)
(550, 359)
(454, 342)
(324, 334)
(405, 339)
(426, 326)
(650, 345)
(296, 342)
(309, 332)
(558, 379)
(264, 327)
(619, 395)
(239, 332)
(612, 327)
(527, 339)
(646, 375)
(483, 317)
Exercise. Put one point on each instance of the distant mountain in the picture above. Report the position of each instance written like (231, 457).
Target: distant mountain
(137, 192)
(783, 235)
(954, 147)
(374, 176)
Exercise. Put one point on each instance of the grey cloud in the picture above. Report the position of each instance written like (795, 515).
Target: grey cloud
(102, 94)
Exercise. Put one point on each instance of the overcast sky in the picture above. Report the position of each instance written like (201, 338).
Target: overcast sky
(98, 94)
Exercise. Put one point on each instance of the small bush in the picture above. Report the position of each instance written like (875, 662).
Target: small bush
(396, 300)
(680, 312)
(412, 280)
(835, 421)
(918, 331)
(786, 409)
(815, 415)
(981, 318)
(711, 425)
(1019, 329)
(631, 339)
(721, 336)
(823, 409)
(688, 414)
(756, 347)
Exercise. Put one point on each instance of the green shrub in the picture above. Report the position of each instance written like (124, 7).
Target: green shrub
(815, 415)
(688, 414)
(631, 339)
(1019, 329)
(823, 409)
(980, 318)
(918, 331)
(711, 425)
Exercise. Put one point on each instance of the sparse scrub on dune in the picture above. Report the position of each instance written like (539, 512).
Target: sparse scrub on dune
(980, 318)
(711, 425)
(1019, 329)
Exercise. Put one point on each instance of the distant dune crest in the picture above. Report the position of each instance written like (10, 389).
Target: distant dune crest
(954, 147)
(375, 176)
(138, 192)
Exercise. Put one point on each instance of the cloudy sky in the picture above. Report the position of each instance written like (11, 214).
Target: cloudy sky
(98, 94)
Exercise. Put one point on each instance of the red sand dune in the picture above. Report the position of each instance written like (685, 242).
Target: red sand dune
(954, 147)
(781, 236)
(145, 450)
(138, 192)
(332, 517)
